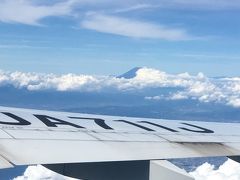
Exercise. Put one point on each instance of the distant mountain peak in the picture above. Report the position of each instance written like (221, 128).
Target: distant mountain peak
(130, 74)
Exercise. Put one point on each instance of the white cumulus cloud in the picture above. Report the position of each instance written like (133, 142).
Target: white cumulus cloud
(230, 170)
(39, 172)
(197, 87)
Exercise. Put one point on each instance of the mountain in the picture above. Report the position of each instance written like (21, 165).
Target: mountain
(130, 74)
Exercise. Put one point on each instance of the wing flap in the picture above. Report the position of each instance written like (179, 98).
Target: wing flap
(23, 152)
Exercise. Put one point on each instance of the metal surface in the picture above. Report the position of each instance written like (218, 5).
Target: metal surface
(165, 170)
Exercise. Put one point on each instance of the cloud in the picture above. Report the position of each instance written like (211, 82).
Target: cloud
(28, 12)
(34, 81)
(230, 170)
(39, 172)
(199, 87)
(136, 7)
(132, 28)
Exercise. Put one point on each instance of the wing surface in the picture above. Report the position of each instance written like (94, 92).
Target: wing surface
(46, 137)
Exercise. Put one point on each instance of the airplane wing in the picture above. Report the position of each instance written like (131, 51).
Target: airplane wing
(59, 138)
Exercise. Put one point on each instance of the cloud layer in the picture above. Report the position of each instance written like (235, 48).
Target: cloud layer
(198, 87)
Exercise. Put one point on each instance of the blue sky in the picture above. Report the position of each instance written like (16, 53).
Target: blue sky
(111, 37)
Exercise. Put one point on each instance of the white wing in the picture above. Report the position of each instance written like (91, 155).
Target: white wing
(44, 137)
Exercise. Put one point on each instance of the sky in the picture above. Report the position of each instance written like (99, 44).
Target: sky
(110, 37)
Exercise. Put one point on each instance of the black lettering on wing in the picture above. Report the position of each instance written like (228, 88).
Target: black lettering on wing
(201, 129)
(137, 125)
(160, 126)
(54, 122)
(98, 121)
(20, 121)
